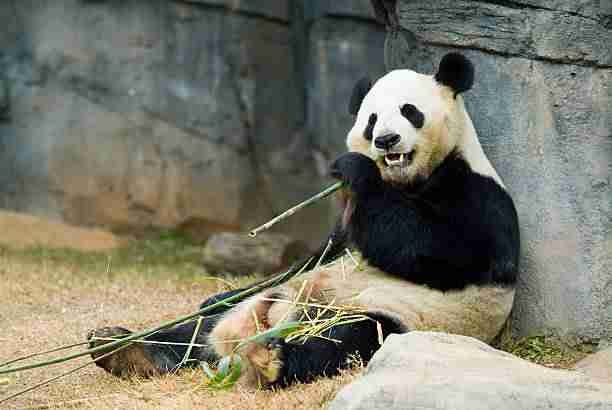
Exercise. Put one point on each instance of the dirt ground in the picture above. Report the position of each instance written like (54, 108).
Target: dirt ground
(21, 231)
(49, 300)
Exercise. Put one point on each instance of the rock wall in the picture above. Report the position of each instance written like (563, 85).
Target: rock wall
(542, 105)
(210, 115)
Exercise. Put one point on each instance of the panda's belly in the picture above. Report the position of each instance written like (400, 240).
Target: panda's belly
(477, 311)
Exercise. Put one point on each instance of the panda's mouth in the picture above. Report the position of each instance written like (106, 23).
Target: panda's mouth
(399, 159)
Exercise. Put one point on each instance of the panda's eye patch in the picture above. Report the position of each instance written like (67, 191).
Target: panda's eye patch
(368, 133)
(412, 114)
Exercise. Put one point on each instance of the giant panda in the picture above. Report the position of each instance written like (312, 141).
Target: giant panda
(433, 237)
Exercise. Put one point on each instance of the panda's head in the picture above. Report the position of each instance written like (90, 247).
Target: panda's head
(409, 122)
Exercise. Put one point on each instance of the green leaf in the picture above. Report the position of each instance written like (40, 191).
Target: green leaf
(227, 374)
(224, 366)
(279, 331)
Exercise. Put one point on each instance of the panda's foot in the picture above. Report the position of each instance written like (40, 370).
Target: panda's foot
(266, 361)
(133, 360)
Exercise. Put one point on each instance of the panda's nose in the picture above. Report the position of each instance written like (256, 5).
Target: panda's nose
(386, 141)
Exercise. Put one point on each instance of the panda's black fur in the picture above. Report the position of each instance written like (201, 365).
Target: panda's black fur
(456, 221)
(442, 235)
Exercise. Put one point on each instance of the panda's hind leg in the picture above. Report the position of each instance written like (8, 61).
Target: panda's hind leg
(281, 363)
(151, 359)
(163, 354)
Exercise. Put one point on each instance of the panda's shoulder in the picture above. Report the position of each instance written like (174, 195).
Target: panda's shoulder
(455, 177)
(456, 188)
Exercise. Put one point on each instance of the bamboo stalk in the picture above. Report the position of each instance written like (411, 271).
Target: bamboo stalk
(151, 342)
(196, 331)
(276, 280)
(29, 356)
(326, 192)
(330, 242)
(59, 376)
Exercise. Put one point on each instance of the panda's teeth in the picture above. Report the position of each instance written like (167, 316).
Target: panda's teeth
(394, 162)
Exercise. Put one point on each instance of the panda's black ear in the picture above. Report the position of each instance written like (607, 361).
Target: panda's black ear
(456, 72)
(359, 92)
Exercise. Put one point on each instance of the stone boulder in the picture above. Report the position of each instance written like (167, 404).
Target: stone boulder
(237, 253)
(597, 365)
(426, 370)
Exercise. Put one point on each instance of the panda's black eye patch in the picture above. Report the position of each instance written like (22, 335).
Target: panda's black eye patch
(412, 114)
(368, 133)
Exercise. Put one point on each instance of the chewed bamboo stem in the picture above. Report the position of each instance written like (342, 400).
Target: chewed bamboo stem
(276, 280)
(326, 192)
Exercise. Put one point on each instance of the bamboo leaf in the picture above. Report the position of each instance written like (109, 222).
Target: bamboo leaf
(279, 331)
(227, 374)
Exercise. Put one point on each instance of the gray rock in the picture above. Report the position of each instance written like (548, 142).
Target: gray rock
(237, 253)
(5, 100)
(597, 365)
(537, 33)
(426, 370)
(334, 47)
(276, 9)
(344, 8)
(542, 105)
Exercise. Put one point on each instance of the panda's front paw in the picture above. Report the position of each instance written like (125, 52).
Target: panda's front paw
(358, 171)
(267, 362)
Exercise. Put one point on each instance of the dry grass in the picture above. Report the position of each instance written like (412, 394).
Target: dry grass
(52, 298)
